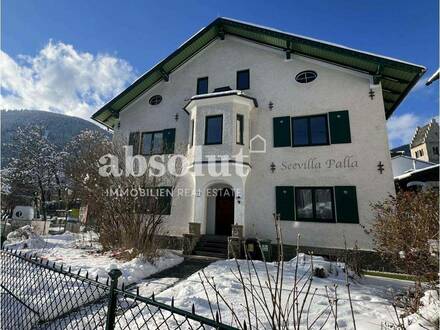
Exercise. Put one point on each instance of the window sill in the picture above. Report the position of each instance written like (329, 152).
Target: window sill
(310, 220)
(316, 220)
(213, 144)
(310, 145)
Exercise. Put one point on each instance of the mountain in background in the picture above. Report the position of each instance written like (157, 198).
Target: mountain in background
(401, 150)
(60, 128)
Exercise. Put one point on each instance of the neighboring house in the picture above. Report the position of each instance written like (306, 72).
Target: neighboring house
(412, 173)
(403, 164)
(425, 142)
(321, 108)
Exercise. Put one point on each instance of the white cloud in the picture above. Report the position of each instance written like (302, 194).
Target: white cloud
(401, 128)
(62, 79)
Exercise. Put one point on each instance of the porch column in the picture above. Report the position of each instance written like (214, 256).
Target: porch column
(199, 208)
(239, 205)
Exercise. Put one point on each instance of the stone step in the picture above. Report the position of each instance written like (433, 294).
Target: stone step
(210, 254)
(212, 246)
(220, 245)
(211, 249)
(213, 238)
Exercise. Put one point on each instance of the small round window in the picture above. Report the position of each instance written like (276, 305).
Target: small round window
(155, 99)
(305, 77)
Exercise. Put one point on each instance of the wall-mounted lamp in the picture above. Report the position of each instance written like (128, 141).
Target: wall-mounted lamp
(273, 167)
(176, 116)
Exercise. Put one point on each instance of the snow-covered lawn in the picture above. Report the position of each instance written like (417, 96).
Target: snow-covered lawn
(370, 296)
(82, 251)
(51, 295)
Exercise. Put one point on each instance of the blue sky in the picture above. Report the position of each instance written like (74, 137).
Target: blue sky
(71, 56)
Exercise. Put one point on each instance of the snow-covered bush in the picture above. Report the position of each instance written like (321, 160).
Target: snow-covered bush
(24, 238)
(428, 315)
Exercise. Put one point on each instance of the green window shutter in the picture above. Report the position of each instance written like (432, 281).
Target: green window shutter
(169, 136)
(281, 132)
(133, 140)
(339, 127)
(346, 204)
(284, 202)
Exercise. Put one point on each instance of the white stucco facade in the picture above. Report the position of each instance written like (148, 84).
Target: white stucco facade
(272, 80)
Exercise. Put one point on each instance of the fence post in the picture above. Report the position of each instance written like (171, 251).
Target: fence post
(111, 311)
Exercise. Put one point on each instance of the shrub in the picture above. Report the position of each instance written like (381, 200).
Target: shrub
(404, 229)
(125, 221)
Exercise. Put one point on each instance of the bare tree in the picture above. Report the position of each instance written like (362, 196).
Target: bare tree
(35, 172)
(129, 210)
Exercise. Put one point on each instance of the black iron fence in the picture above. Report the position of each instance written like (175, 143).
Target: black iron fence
(38, 294)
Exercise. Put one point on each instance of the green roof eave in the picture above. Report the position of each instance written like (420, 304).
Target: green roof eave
(397, 77)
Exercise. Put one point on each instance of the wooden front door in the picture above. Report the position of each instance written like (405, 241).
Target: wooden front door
(224, 212)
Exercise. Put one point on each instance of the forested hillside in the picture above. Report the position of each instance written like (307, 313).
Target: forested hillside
(59, 128)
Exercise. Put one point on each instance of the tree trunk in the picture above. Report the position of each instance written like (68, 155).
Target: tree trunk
(43, 201)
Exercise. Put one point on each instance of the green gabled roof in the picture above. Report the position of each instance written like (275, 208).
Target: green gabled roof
(397, 77)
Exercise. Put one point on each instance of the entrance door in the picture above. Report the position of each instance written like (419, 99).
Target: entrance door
(224, 212)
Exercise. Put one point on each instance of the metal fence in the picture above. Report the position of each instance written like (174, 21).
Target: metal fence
(38, 294)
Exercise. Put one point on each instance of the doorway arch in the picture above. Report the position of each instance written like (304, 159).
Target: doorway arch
(220, 209)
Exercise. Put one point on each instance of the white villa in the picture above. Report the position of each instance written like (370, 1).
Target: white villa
(314, 111)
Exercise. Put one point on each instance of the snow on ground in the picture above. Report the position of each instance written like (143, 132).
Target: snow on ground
(370, 296)
(51, 295)
(153, 285)
(428, 314)
(82, 251)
